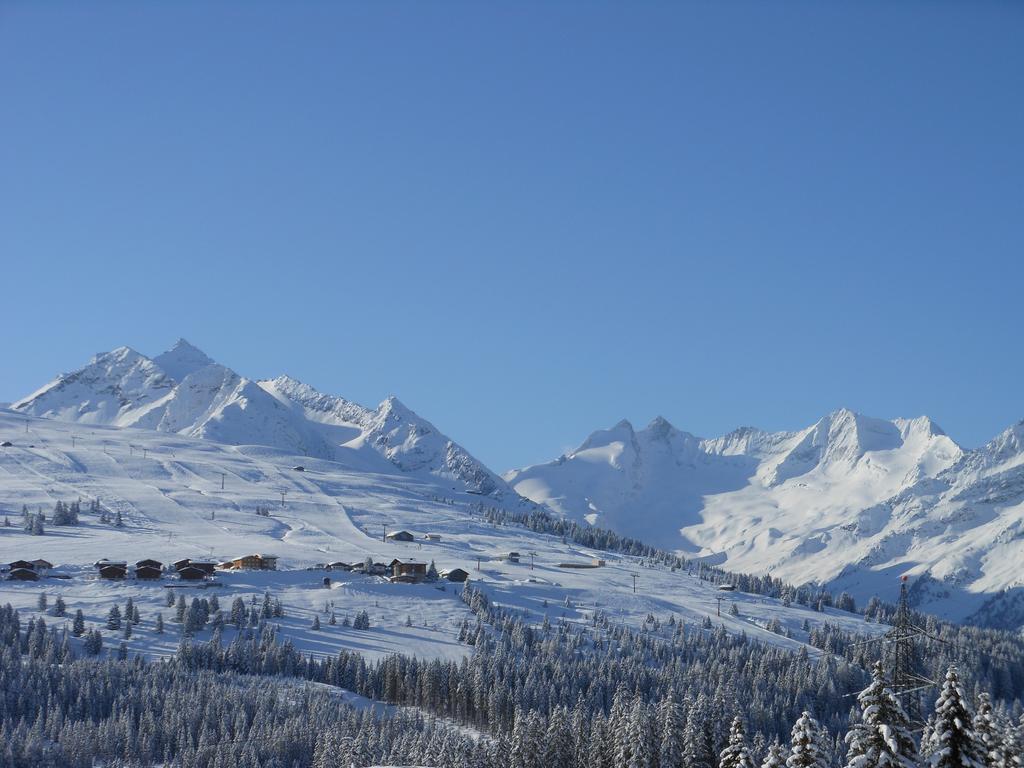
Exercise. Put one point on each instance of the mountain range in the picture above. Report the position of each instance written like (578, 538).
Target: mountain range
(850, 502)
(183, 391)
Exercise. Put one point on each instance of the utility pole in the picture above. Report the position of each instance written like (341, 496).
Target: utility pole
(384, 538)
(533, 555)
(478, 562)
(634, 575)
(222, 480)
(144, 452)
(73, 439)
(282, 498)
(719, 599)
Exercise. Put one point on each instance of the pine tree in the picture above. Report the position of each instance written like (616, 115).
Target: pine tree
(114, 618)
(41, 601)
(670, 723)
(158, 625)
(316, 622)
(78, 624)
(37, 528)
(953, 743)
(737, 753)
(59, 608)
(179, 609)
(805, 744)
(883, 737)
(987, 732)
(775, 757)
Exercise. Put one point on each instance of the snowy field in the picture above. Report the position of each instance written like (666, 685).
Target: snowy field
(168, 492)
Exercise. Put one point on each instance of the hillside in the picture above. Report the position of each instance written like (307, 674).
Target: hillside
(168, 491)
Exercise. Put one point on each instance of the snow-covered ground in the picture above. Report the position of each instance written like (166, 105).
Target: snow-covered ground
(168, 491)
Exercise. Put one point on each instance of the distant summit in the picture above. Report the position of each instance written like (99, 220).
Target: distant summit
(182, 359)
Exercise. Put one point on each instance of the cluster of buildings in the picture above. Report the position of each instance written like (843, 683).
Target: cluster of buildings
(398, 571)
(186, 569)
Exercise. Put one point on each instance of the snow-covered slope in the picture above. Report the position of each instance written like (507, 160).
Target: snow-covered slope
(181, 496)
(850, 501)
(185, 392)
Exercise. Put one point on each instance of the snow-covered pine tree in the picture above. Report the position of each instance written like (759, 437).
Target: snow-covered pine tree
(882, 738)
(987, 732)
(805, 744)
(670, 725)
(953, 743)
(736, 754)
(78, 624)
(775, 757)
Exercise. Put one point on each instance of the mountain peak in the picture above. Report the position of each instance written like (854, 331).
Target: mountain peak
(182, 359)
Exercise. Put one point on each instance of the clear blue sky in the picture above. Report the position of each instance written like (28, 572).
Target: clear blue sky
(528, 220)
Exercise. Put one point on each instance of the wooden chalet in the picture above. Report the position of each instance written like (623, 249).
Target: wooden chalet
(254, 562)
(179, 564)
(400, 536)
(114, 571)
(148, 563)
(24, 564)
(455, 574)
(409, 570)
(23, 574)
(339, 566)
(42, 565)
(192, 573)
(148, 572)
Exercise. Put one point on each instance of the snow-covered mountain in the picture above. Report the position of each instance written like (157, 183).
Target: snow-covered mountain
(850, 501)
(183, 391)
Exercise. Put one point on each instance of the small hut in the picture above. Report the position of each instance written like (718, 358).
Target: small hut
(23, 574)
(455, 574)
(400, 536)
(191, 573)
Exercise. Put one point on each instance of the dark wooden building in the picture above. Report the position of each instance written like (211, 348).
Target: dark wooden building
(147, 563)
(147, 572)
(25, 564)
(192, 573)
(400, 536)
(455, 574)
(113, 571)
(409, 570)
(23, 574)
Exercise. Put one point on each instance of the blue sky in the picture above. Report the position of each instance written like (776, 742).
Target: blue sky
(528, 220)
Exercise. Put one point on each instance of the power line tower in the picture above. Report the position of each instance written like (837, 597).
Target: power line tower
(907, 681)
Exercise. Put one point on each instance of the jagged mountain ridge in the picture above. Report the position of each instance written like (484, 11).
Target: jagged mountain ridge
(850, 502)
(183, 391)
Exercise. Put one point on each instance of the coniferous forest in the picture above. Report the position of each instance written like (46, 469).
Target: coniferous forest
(555, 695)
